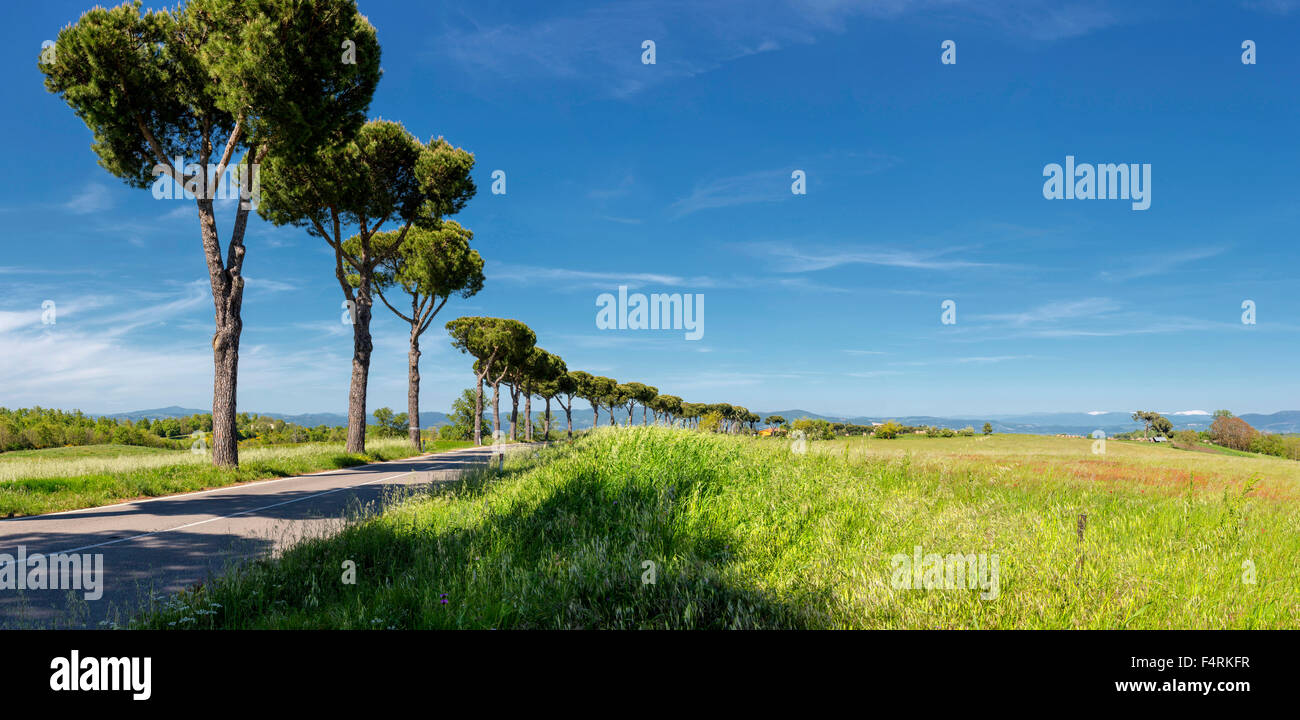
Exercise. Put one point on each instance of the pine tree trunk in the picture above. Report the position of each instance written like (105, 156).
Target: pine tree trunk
(496, 409)
(413, 389)
(528, 416)
(514, 412)
(227, 300)
(225, 364)
(478, 413)
(361, 349)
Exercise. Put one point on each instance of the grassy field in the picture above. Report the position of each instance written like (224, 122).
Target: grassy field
(743, 533)
(41, 481)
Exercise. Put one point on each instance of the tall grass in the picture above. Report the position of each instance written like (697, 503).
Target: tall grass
(744, 534)
(48, 481)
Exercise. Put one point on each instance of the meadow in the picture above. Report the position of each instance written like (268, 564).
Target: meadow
(67, 478)
(658, 528)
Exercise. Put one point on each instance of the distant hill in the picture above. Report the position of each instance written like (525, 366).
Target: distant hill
(1070, 423)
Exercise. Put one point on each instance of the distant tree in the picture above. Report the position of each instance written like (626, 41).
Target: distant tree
(549, 374)
(513, 365)
(646, 396)
(463, 419)
(539, 368)
(988, 428)
(774, 420)
(1146, 417)
(888, 430)
(616, 396)
(813, 429)
(563, 388)
(429, 265)
(493, 342)
(710, 422)
(204, 82)
(635, 392)
(1163, 426)
(387, 424)
(672, 408)
(1222, 413)
(1232, 432)
(595, 389)
(666, 406)
(585, 389)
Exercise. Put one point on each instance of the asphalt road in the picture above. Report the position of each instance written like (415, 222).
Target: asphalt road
(161, 545)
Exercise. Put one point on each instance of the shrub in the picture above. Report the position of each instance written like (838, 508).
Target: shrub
(1232, 432)
(888, 431)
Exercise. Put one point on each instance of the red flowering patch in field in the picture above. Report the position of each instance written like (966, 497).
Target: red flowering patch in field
(1163, 480)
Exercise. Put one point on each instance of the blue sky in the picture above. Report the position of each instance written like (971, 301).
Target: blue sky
(924, 183)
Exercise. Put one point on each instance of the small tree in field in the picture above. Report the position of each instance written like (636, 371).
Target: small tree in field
(774, 421)
(1146, 417)
(1232, 432)
(988, 428)
(174, 97)
(888, 430)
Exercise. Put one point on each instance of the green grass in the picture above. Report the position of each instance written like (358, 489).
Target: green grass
(80, 451)
(745, 534)
(41, 481)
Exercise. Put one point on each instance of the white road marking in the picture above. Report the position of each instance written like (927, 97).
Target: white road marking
(223, 517)
(251, 483)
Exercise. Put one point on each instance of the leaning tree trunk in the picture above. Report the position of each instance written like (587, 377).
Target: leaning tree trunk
(413, 389)
(227, 299)
(496, 409)
(568, 417)
(548, 419)
(631, 407)
(595, 416)
(361, 349)
(643, 416)
(478, 413)
(514, 412)
(528, 416)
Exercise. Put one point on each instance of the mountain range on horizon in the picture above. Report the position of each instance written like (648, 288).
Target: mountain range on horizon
(1042, 423)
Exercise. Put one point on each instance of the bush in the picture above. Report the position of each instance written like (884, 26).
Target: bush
(711, 422)
(888, 431)
(814, 429)
(1232, 432)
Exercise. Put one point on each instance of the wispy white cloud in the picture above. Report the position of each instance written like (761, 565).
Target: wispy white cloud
(600, 47)
(1055, 311)
(766, 186)
(794, 258)
(1157, 264)
(605, 280)
(94, 197)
